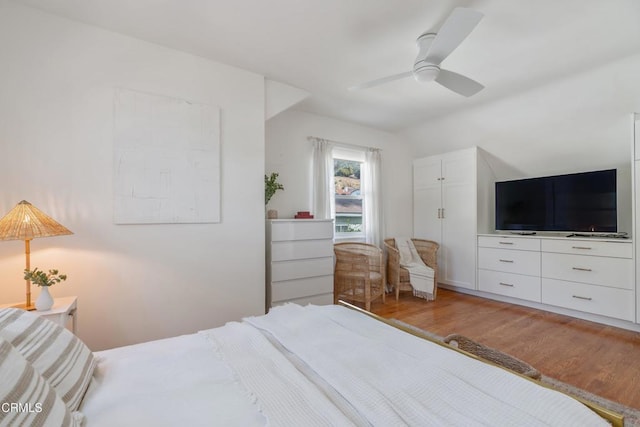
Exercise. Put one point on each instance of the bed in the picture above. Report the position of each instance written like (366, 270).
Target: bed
(295, 366)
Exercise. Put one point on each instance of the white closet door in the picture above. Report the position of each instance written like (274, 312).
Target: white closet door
(426, 206)
(445, 210)
(427, 198)
(459, 219)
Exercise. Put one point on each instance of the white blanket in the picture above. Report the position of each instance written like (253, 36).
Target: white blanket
(393, 378)
(284, 394)
(329, 366)
(421, 276)
(178, 381)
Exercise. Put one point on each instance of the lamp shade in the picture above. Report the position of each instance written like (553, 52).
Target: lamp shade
(26, 222)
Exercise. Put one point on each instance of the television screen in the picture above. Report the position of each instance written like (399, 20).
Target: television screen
(584, 202)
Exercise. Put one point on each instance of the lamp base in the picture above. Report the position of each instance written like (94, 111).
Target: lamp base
(24, 306)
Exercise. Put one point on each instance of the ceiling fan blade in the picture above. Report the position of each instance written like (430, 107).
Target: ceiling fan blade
(381, 81)
(458, 83)
(454, 30)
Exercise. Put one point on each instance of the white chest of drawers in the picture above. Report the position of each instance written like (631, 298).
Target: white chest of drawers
(589, 275)
(299, 261)
(509, 266)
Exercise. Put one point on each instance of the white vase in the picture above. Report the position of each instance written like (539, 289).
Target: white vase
(44, 301)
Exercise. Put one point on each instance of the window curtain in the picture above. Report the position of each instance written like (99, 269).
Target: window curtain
(323, 201)
(372, 190)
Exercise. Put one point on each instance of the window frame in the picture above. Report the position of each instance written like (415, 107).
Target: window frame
(352, 156)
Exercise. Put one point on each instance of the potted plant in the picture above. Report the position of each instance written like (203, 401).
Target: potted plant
(271, 185)
(44, 280)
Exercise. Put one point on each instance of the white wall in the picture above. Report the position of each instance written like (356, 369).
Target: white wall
(134, 282)
(575, 123)
(290, 154)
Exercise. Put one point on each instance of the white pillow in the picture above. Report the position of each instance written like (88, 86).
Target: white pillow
(26, 399)
(59, 356)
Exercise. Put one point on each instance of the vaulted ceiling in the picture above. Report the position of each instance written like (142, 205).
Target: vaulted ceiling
(539, 60)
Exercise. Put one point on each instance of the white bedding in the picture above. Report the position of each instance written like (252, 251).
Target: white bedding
(172, 382)
(396, 379)
(300, 366)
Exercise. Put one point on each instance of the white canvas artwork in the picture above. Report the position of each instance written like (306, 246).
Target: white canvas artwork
(166, 160)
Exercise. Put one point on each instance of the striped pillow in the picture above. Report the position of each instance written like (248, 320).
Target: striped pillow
(59, 356)
(26, 399)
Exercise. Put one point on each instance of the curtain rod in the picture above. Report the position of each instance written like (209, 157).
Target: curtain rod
(342, 144)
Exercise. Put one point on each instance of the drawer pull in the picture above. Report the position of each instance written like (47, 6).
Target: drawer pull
(582, 269)
(506, 260)
(505, 243)
(505, 284)
(584, 298)
(581, 247)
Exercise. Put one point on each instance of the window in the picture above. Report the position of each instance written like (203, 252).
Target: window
(348, 197)
(350, 193)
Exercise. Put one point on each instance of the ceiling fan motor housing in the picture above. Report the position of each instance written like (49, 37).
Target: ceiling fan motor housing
(424, 71)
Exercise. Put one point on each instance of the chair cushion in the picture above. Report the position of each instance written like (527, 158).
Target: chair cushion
(59, 356)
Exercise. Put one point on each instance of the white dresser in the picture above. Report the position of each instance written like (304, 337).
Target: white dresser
(591, 276)
(510, 267)
(588, 275)
(299, 261)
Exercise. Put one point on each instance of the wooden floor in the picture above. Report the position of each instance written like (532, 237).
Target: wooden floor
(600, 359)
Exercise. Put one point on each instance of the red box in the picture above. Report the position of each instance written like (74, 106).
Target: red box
(303, 215)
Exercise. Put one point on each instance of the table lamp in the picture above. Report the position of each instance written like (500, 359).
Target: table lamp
(26, 222)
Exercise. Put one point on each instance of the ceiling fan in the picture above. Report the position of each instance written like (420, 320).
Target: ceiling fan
(433, 48)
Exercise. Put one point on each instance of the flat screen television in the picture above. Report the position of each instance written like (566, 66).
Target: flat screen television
(578, 202)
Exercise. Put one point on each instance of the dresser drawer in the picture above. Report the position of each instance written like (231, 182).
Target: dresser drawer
(509, 242)
(618, 303)
(299, 288)
(612, 272)
(301, 229)
(588, 247)
(510, 261)
(301, 249)
(508, 284)
(289, 270)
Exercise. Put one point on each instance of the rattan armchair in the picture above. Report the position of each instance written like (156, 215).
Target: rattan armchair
(359, 273)
(398, 277)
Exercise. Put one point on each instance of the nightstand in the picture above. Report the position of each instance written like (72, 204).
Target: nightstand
(62, 309)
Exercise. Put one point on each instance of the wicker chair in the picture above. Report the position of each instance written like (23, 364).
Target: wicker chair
(492, 355)
(398, 277)
(359, 273)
